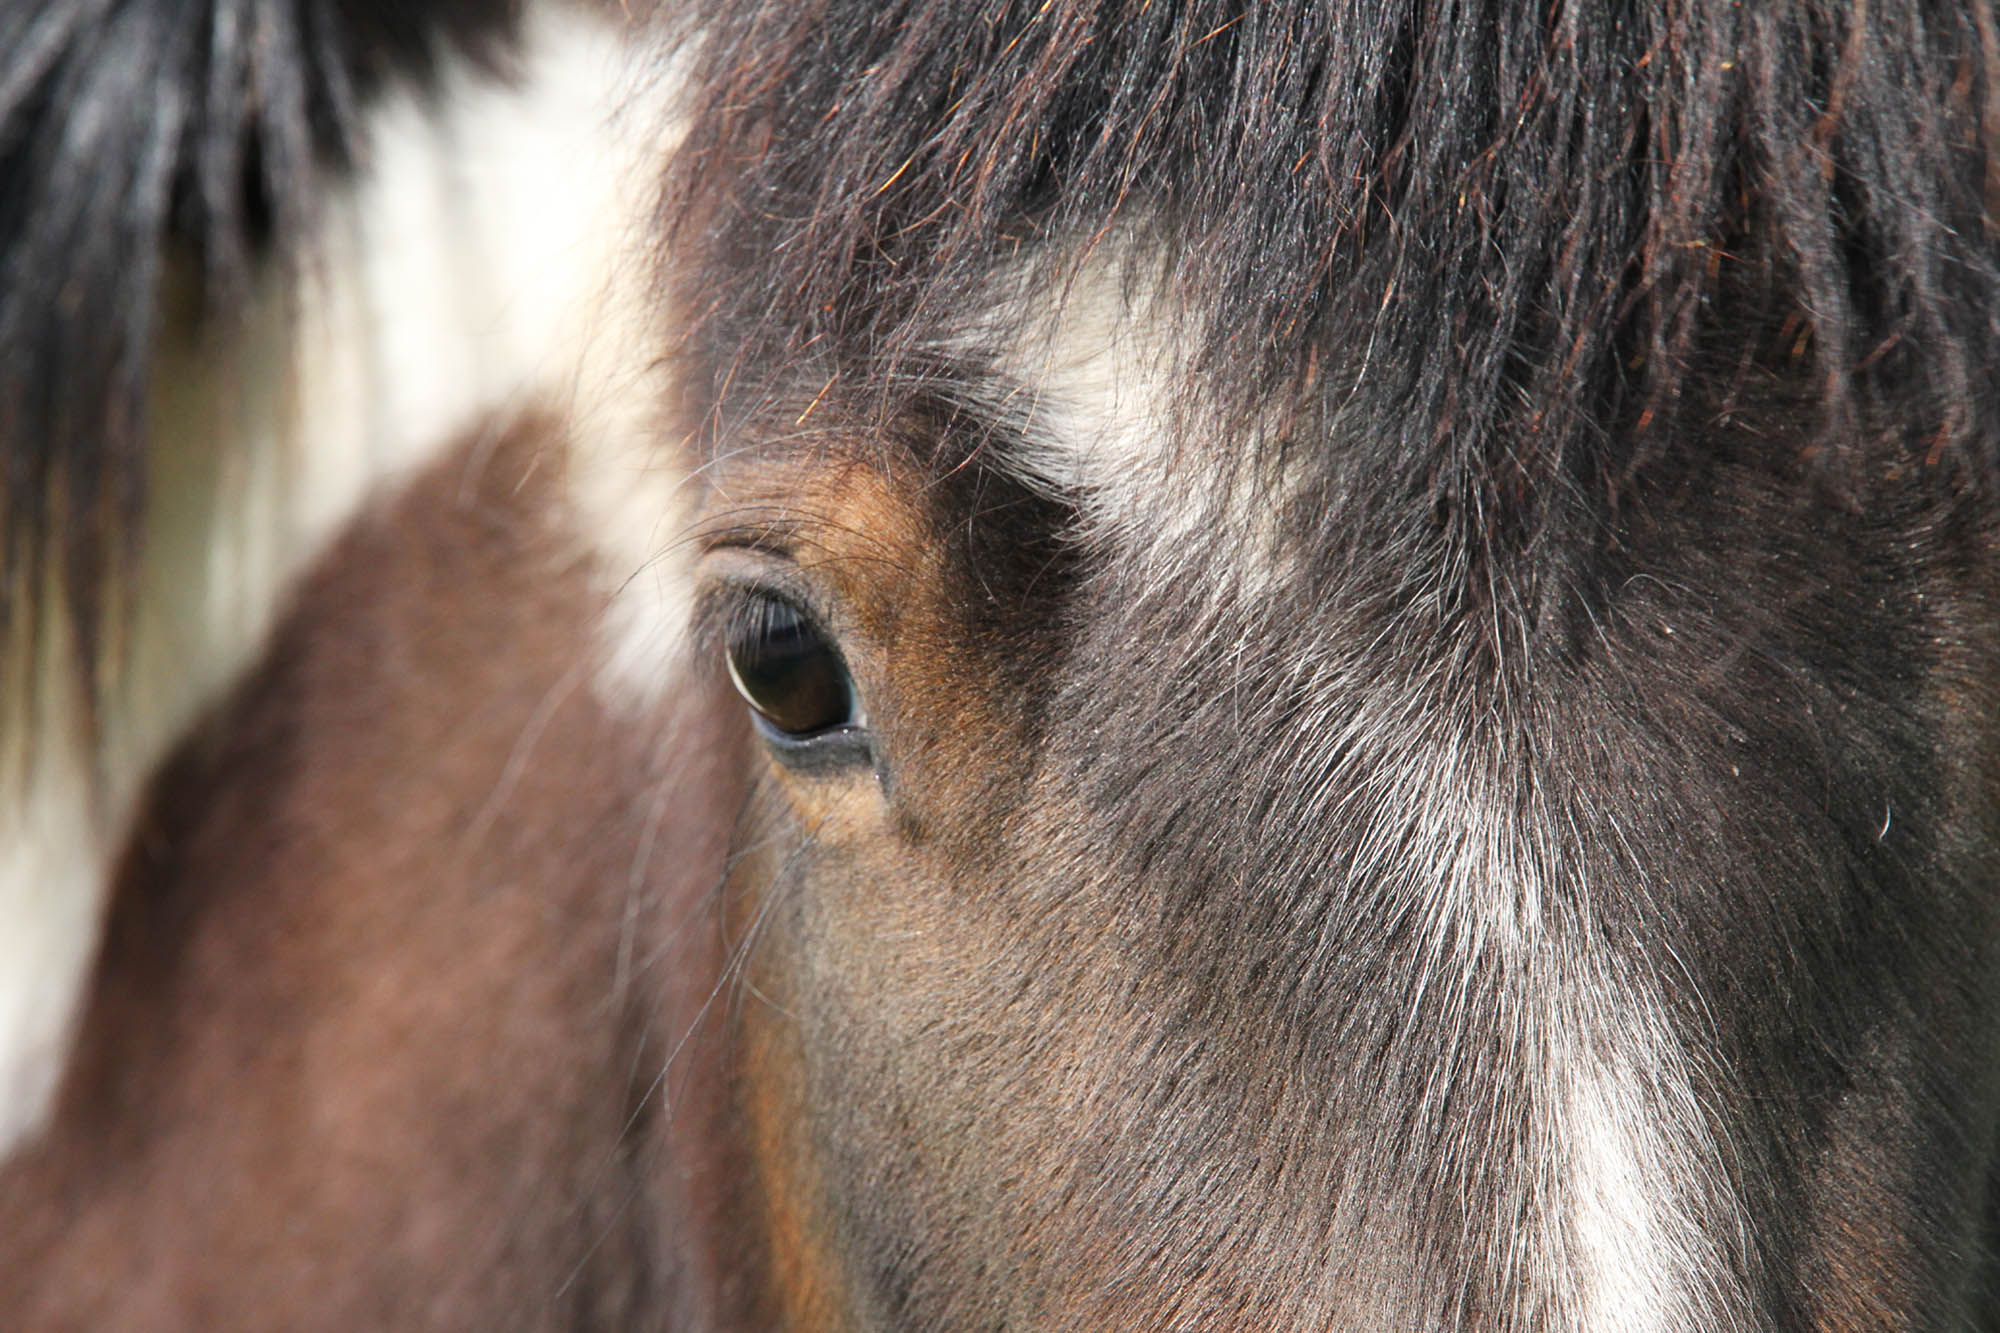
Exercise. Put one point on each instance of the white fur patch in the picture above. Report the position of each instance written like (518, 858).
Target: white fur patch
(627, 475)
(465, 273)
(1626, 1214)
(51, 883)
(1107, 418)
(1639, 1169)
(1620, 1240)
(1103, 371)
(1622, 1243)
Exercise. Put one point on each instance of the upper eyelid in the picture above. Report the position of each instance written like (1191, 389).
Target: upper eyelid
(727, 607)
(718, 609)
(722, 600)
(778, 538)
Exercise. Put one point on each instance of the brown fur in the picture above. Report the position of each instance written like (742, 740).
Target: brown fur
(364, 1053)
(869, 530)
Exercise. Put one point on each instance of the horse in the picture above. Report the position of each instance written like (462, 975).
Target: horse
(1090, 664)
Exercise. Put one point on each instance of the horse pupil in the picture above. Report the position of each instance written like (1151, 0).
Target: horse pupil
(789, 674)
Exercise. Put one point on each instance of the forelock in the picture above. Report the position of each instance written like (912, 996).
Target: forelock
(1542, 217)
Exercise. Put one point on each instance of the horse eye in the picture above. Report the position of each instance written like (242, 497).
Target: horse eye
(788, 673)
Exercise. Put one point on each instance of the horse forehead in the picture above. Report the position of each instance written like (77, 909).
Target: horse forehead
(1098, 369)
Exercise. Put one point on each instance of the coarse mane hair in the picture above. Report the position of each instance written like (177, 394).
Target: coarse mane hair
(1558, 220)
(151, 155)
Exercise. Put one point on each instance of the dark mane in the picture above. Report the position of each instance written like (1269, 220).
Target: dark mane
(138, 132)
(1549, 215)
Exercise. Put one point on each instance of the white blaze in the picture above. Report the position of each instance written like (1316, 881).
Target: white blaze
(1620, 1243)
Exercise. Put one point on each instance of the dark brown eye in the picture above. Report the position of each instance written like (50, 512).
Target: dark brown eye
(788, 672)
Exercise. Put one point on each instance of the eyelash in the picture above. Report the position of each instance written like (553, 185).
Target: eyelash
(791, 674)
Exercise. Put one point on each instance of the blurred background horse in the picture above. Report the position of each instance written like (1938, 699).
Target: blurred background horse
(947, 664)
